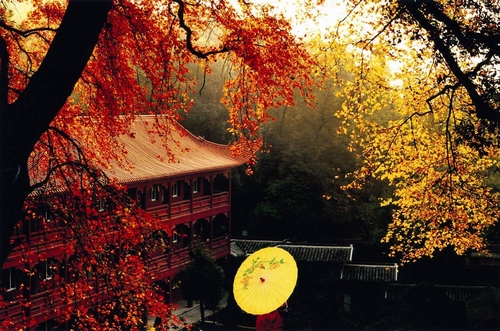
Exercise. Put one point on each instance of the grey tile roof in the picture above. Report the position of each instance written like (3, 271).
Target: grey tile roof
(236, 250)
(312, 253)
(456, 293)
(463, 293)
(301, 253)
(250, 246)
(370, 272)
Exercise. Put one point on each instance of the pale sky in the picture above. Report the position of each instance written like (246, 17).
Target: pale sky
(327, 15)
(19, 10)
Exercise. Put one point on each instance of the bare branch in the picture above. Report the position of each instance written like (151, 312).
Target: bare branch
(483, 109)
(25, 33)
(189, 35)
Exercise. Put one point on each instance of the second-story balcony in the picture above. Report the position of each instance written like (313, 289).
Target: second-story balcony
(197, 207)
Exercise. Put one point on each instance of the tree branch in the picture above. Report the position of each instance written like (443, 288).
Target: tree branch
(24, 33)
(189, 34)
(50, 86)
(24, 121)
(483, 109)
(83, 163)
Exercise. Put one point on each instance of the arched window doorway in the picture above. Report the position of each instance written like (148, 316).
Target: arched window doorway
(201, 230)
(221, 226)
(181, 237)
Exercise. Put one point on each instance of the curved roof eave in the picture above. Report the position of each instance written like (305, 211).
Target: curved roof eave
(181, 154)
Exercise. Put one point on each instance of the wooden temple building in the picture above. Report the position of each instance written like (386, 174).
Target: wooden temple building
(190, 195)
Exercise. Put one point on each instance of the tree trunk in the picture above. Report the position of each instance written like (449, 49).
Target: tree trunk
(24, 121)
(202, 314)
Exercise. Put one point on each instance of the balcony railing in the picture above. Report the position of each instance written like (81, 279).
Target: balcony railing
(167, 264)
(190, 206)
(47, 304)
(52, 243)
(49, 243)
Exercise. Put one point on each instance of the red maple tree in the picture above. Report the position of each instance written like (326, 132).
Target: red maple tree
(73, 76)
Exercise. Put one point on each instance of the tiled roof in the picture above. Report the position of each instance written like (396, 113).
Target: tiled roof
(250, 246)
(370, 272)
(145, 160)
(236, 250)
(191, 154)
(463, 293)
(312, 253)
(456, 293)
(300, 252)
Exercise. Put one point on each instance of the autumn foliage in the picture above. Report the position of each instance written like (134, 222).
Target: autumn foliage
(418, 82)
(106, 279)
(418, 112)
(139, 65)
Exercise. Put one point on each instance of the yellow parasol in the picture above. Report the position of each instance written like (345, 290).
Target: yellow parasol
(265, 280)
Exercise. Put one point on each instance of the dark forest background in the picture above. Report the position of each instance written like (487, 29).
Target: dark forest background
(295, 193)
(295, 190)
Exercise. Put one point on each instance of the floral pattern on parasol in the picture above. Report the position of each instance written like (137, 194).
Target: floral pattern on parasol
(265, 280)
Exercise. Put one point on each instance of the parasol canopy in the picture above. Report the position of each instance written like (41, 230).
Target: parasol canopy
(265, 280)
